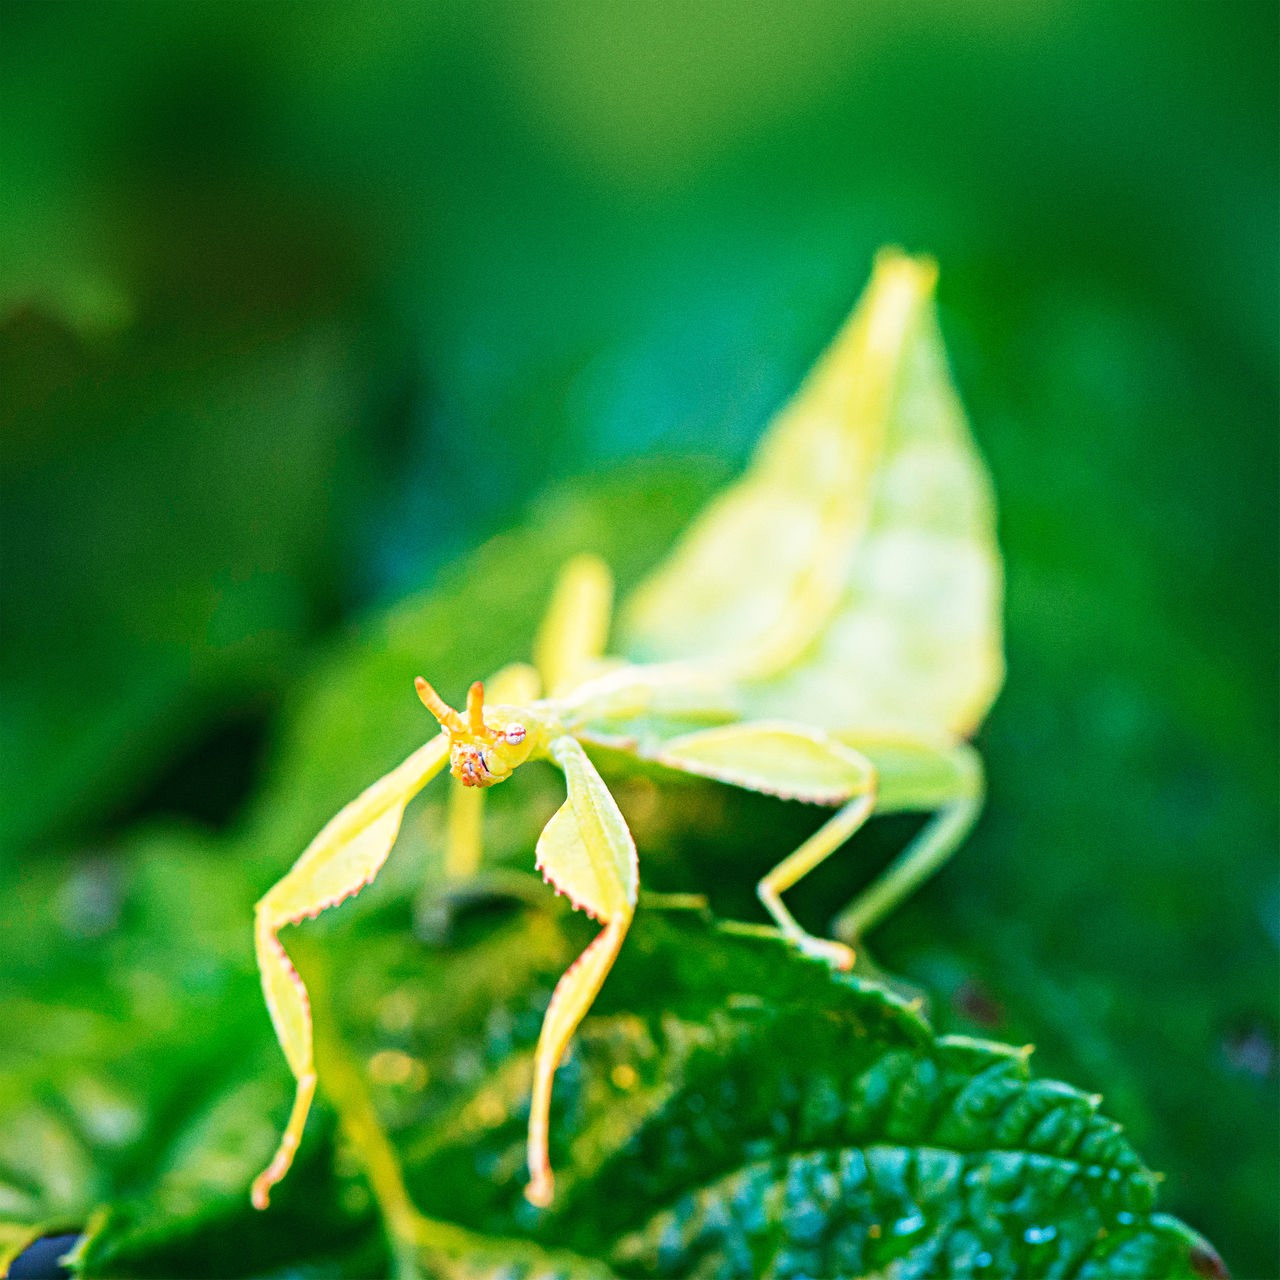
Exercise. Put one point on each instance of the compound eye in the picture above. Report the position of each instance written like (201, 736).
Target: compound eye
(514, 734)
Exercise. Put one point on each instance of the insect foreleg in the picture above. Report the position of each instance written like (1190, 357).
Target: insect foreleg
(585, 851)
(916, 777)
(339, 862)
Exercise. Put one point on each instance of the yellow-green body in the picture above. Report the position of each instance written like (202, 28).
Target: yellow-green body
(827, 631)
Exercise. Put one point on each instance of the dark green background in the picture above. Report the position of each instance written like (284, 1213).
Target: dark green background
(298, 301)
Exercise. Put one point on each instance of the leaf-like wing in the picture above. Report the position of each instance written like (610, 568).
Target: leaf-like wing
(851, 576)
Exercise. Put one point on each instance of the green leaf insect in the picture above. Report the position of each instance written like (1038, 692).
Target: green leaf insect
(827, 631)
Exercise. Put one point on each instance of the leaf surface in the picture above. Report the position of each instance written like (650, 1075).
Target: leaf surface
(730, 1109)
(139, 1048)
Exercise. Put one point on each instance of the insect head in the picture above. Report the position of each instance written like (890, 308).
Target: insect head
(482, 750)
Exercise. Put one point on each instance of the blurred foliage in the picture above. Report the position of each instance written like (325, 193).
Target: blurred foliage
(730, 1109)
(298, 300)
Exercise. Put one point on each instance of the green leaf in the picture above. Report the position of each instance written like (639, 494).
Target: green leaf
(717, 1075)
(136, 1082)
(733, 1109)
(730, 1109)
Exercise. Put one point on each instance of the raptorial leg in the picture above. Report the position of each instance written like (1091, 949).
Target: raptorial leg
(917, 778)
(339, 862)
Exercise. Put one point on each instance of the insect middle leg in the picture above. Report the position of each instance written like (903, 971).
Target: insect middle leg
(792, 869)
(796, 763)
(915, 777)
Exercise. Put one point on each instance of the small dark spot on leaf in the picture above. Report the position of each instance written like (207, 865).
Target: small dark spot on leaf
(1205, 1262)
(39, 1260)
(974, 1000)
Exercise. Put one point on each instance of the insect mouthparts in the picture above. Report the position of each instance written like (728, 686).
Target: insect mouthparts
(470, 768)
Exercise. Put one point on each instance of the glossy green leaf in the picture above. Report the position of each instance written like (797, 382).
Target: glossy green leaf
(151, 988)
(730, 1109)
(136, 1087)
